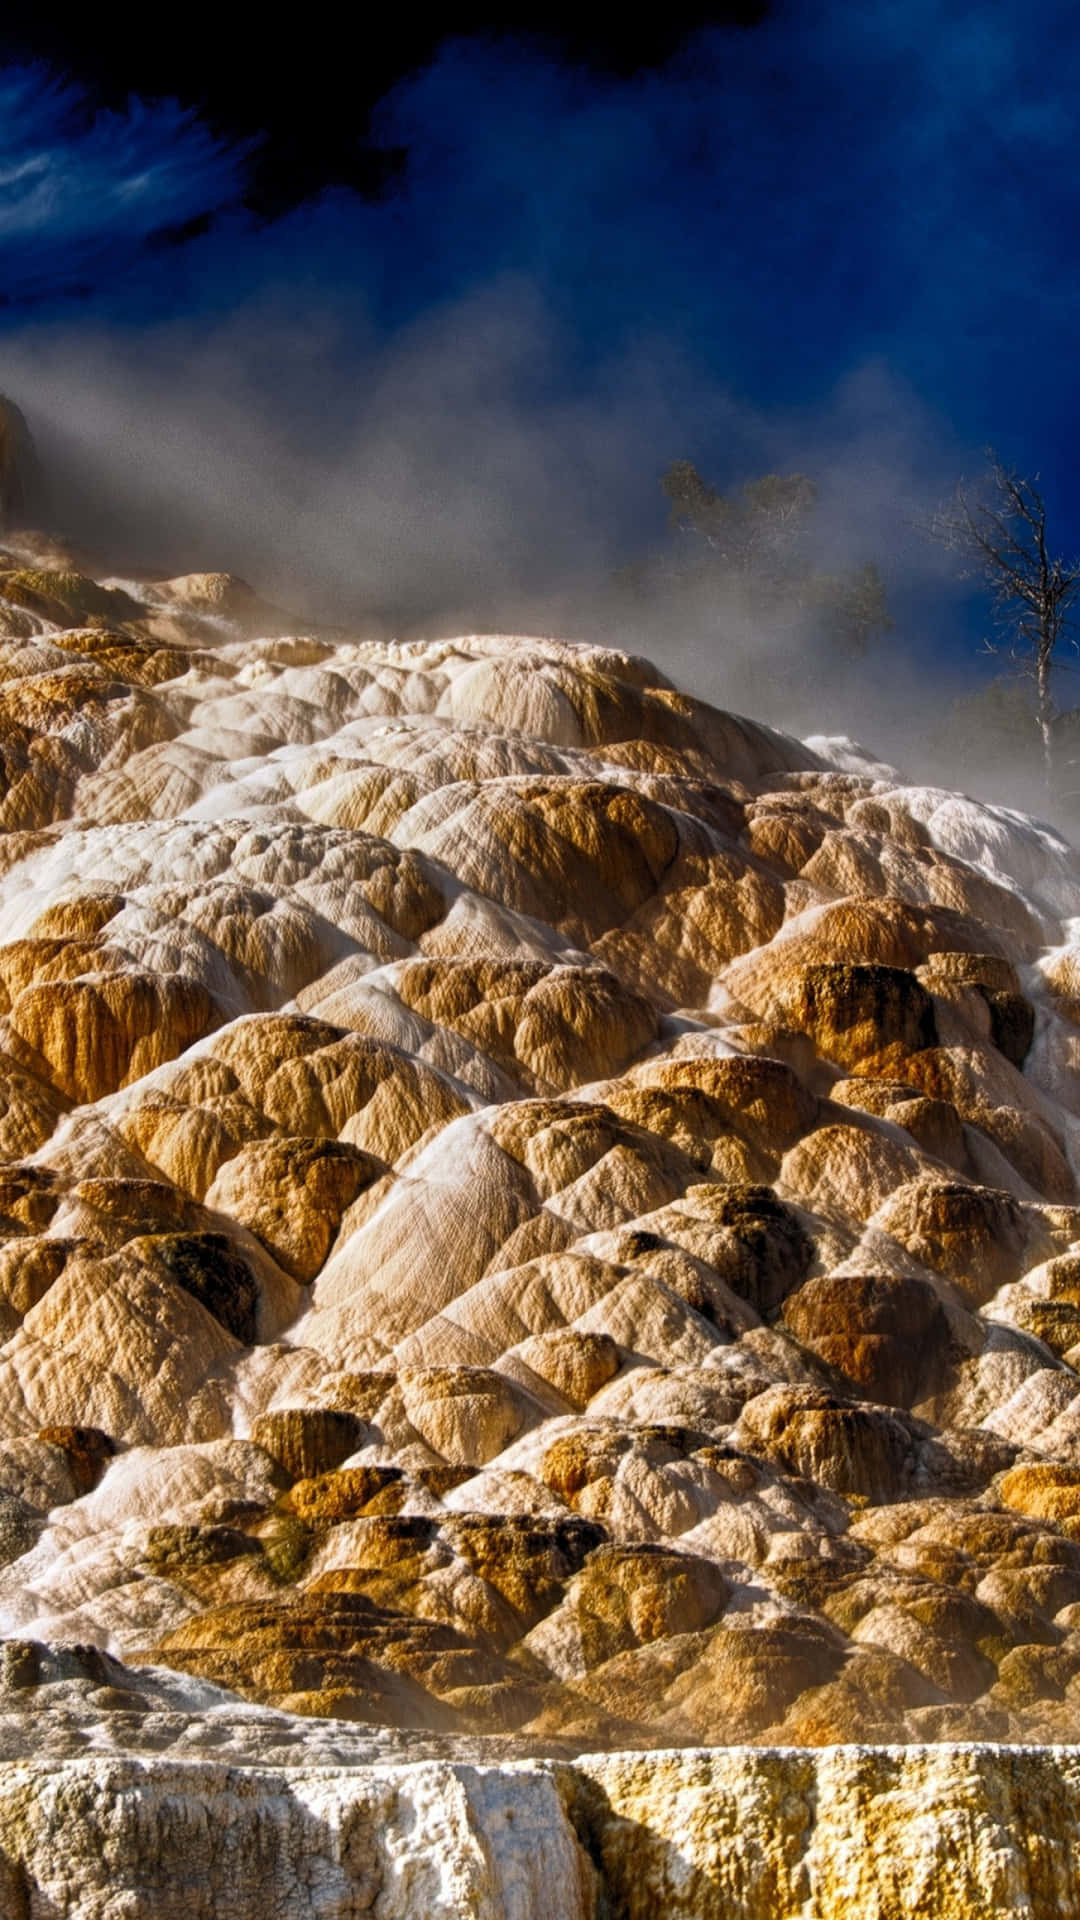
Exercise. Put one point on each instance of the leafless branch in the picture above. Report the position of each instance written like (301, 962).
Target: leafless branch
(998, 532)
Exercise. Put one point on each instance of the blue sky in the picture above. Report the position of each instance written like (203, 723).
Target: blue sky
(849, 245)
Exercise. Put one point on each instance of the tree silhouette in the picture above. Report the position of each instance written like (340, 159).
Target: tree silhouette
(999, 532)
(759, 538)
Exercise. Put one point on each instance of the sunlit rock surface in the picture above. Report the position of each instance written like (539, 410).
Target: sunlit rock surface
(142, 1795)
(533, 1212)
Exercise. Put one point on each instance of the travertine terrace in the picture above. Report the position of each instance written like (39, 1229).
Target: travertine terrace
(539, 1219)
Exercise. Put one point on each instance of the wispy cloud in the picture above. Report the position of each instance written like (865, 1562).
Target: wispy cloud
(81, 192)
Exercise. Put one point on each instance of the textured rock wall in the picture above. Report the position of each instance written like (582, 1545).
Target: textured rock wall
(158, 1840)
(942, 1833)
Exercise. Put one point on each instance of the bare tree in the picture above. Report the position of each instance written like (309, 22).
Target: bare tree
(1000, 534)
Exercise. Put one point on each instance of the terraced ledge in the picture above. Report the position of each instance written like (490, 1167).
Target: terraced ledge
(536, 1217)
(731, 1833)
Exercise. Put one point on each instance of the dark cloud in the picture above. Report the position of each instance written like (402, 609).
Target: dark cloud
(840, 245)
(308, 100)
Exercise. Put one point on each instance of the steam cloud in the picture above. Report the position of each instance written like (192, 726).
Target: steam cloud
(450, 408)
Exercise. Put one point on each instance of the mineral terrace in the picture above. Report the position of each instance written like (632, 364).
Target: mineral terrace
(539, 1220)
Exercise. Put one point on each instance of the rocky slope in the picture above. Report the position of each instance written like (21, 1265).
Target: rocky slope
(533, 1210)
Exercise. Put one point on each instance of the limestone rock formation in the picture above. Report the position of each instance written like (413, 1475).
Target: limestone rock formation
(138, 1794)
(532, 1211)
(18, 465)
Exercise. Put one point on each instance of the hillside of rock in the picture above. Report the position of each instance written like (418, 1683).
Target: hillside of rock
(531, 1207)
